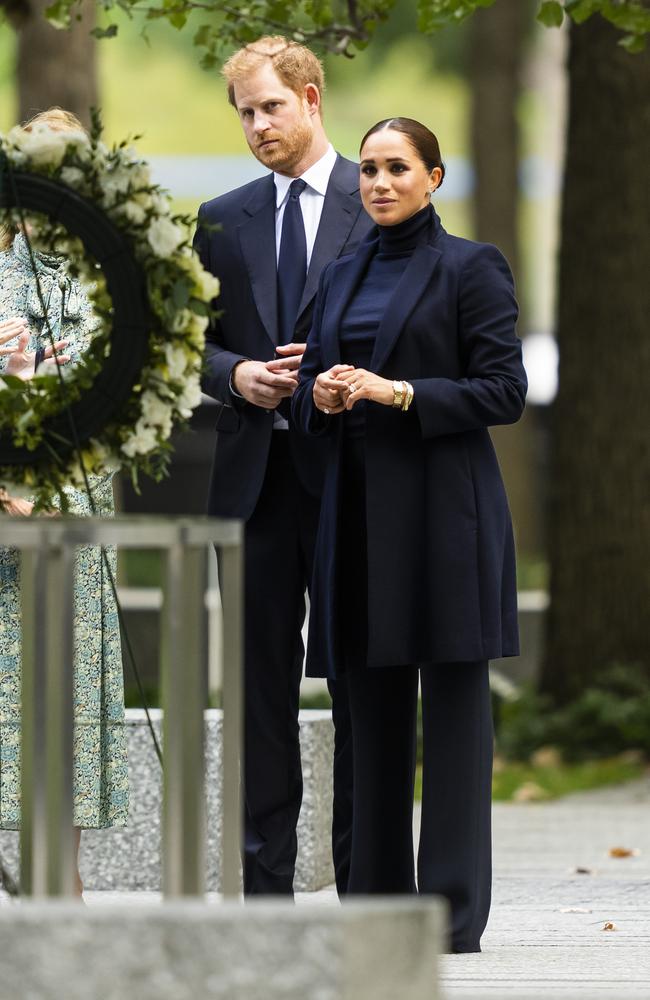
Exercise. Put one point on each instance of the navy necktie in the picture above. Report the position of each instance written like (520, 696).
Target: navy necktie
(292, 263)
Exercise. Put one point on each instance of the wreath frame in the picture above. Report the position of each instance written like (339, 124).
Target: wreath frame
(140, 378)
(115, 380)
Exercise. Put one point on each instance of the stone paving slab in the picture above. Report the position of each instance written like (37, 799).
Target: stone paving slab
(533, 950)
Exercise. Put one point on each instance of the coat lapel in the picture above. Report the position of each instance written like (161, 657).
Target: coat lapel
(257, 241)
(341, 210)
(338, 297)
(403, 301)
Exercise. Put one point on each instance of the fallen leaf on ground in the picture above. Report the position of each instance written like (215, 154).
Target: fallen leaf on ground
(581, 870)
(624, 852)
(574, 909)
(609, 926)
(530, 791)
(546, 757)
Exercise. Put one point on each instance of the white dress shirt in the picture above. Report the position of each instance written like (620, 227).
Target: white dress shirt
(311, 200)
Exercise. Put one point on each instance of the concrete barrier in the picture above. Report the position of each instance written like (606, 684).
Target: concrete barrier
(364, 950)
(129, 859)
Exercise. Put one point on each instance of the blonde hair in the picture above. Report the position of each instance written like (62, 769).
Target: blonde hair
(59, 120)
(295, 64)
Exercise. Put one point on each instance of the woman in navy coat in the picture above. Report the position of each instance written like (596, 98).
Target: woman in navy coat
(411, 357)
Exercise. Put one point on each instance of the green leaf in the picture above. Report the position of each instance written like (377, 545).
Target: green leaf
(551, 13)
(109, 32)
(633, 43)
(58, 14)
(178, 19)
(203, 35)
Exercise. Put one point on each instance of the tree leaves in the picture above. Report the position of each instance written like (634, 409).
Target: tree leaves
(551, 13)
(346, 26)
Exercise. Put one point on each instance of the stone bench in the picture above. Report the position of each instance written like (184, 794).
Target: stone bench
(129, 859)
(265, 950)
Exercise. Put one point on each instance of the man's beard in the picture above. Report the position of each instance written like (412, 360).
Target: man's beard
(287, 151)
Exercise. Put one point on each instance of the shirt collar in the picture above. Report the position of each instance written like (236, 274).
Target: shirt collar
(317, 176)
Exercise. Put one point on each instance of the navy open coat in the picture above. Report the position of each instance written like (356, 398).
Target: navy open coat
(441, 561)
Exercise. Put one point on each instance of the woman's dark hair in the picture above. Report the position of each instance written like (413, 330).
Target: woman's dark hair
(421, 138)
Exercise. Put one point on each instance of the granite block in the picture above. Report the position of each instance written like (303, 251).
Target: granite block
(266, 950)
(129, 859)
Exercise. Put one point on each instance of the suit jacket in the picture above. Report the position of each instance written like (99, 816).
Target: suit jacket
(242, 254)
(441, 567)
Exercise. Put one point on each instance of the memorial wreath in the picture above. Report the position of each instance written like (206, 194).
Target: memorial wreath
(97, 208)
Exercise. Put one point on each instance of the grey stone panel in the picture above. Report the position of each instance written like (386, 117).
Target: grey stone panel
(187, 950)
(129, 859)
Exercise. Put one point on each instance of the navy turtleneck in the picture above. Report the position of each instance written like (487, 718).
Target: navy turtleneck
(405, 236)
(362, 317)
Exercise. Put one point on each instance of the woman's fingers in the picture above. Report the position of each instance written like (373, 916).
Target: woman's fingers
(12, 327)
(60, 344)
(60, 359)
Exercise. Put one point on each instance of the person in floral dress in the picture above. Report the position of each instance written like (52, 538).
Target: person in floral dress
(101, 789)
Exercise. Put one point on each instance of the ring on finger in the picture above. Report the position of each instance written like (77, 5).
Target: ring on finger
(325, 410)
(353, 388)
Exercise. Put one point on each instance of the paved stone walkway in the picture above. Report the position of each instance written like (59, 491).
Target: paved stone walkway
(546, 935)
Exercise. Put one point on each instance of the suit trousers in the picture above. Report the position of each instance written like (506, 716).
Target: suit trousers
(454, 854)
(279, 546)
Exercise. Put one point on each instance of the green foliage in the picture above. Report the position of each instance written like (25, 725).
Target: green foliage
(610, 716)
(341, 26)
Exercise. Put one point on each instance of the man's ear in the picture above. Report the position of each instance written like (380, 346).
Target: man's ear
(312, 96)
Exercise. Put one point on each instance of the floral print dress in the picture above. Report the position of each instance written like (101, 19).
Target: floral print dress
(101, 788)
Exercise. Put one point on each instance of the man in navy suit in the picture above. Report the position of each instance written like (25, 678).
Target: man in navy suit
(275, 236)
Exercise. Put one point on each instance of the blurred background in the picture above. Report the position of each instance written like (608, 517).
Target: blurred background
(495, 92)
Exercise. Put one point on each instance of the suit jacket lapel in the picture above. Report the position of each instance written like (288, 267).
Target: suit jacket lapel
(403, 301)
(257, 241)
(338, 297)
(340, 212)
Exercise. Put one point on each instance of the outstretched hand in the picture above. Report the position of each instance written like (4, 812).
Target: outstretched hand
(21, 361)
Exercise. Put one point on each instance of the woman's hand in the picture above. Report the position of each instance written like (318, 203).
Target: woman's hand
(16, 506)
(10, 328)
(361, 384)
(21, 361)
(329, 394)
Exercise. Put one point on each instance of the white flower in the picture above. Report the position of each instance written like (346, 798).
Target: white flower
(164, 237)
(143, 440)
(44, 145)
(72, 176)
(156, 412)
(133, 211)
(176, 359)
(190, 397)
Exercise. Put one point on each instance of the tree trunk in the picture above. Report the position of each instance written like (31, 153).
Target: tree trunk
(600, 481)
(496, 51)
(55, 67)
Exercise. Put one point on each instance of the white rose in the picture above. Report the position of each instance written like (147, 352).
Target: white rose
(155, 411)
(72, 176)
(143, 440)
(190, 398)
(3, 385)
(44, 145)
(176, 361)
(164, 237)
(134, 212)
